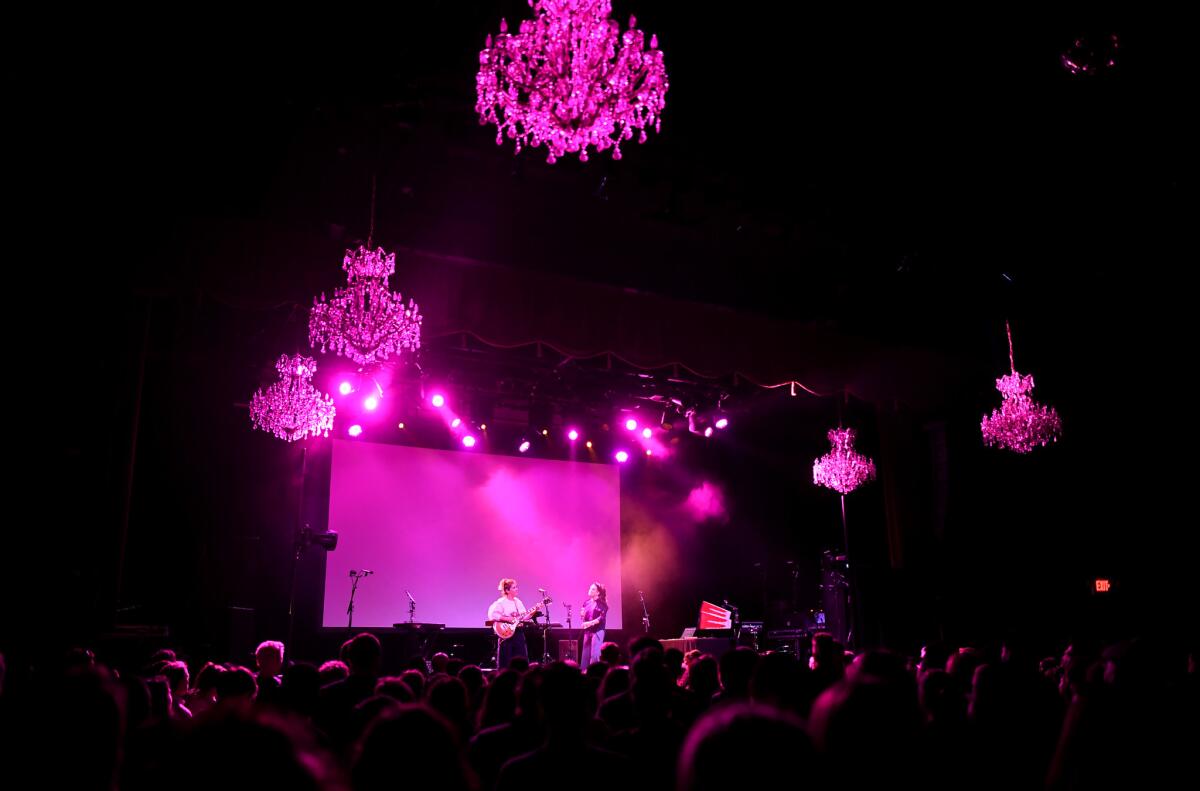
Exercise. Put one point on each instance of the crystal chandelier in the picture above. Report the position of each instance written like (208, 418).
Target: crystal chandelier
(292, 408)
(571, 79)
(1020, 424)
(843, 469)
(365, 321)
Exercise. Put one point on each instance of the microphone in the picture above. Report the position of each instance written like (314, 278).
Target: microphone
(410, 598)
(365, 572)
(541, 590)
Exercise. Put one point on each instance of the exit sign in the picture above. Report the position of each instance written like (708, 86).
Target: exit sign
(1103, 585)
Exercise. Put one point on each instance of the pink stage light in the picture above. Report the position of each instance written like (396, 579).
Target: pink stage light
(370, 403)
(708, 431)
(631, 424)
(355, 430)
(572, 435)
(622, 456)
(647, 433)
(469, 441)
(456, 422)
(722, 422)
(345, 388)
(438, 400)
(524, 446)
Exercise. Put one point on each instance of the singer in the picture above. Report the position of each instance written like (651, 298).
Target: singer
(594, 614)
(509, 608)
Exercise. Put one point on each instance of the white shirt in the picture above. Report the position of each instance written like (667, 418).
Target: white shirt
(504, 608)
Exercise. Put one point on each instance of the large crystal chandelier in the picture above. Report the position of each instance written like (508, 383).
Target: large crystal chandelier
(1020, 424)
(292, 408)
(843, 469)
(365, 321)
(571, 79)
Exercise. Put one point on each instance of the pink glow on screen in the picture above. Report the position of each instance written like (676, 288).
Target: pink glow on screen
(448, 525)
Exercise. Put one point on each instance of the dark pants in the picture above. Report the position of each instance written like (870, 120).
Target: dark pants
(513, 646)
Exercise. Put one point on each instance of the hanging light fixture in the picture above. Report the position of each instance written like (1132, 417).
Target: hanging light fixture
(292, 408)
(570, 79)
(365, 321)
(1019, 424)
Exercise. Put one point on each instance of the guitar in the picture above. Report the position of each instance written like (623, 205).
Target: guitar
(506, 629)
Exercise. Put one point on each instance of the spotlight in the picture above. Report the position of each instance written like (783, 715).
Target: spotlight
(400, 425)
(456, 422)
(355, 430)
(483, 426)
(545, 432)
(524, 446)
(622, 456)
(572, 435)
(699, 423)
(345, 388)
(647, 433)
(370, 403)
(307, 538)
(469, 441)
(649, 452)
(631, 424)
(438, 400)
(722, 422)
(589, 444)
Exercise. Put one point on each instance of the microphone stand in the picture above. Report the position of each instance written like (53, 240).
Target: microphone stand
(545, 633)
(645, 613)
(353, 590)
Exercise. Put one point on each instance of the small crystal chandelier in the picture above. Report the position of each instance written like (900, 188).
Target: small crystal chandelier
(571, 79)
(365, 321)
(843, 469)
(292, 408)
(1020, 424)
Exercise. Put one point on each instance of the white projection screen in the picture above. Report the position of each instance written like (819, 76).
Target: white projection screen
(448, 525)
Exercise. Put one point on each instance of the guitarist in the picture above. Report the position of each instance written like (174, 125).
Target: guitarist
(594, 615)
(509, 608)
